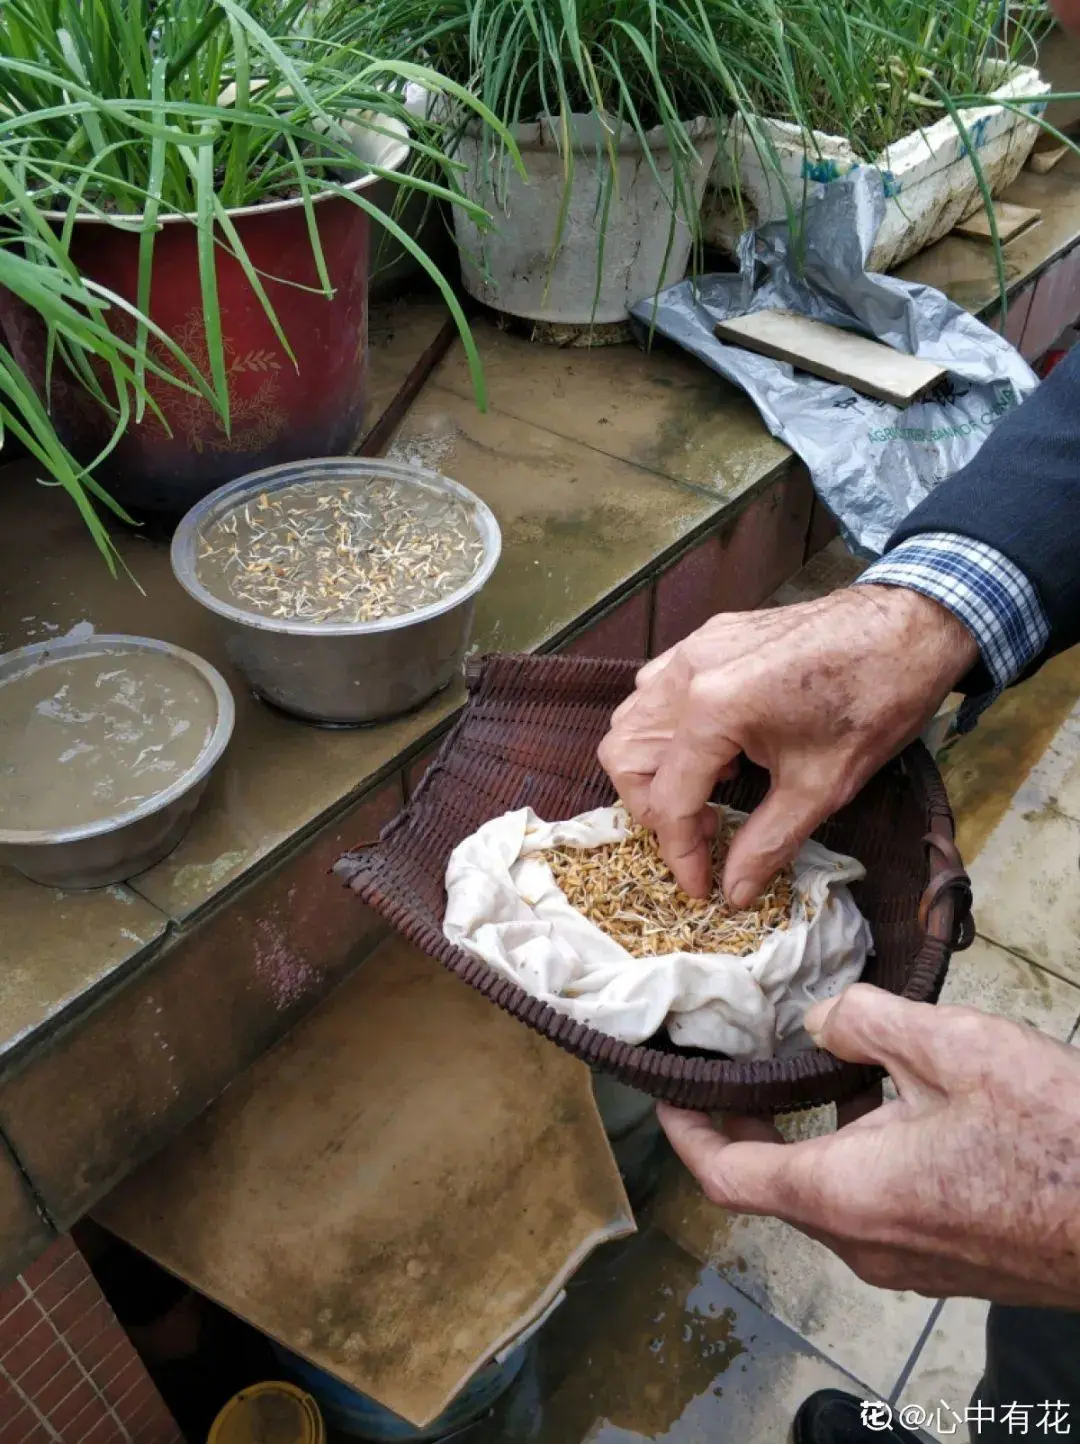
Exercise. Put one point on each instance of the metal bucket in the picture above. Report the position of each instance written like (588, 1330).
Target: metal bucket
(633, 1131)
(107, 851)
(342, 673)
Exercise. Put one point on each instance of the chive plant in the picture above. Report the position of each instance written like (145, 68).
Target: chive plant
(112, 110)
(640, 64)
(874, 71)
(869, 70)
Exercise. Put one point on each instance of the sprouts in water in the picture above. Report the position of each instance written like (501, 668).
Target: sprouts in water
(326, 551)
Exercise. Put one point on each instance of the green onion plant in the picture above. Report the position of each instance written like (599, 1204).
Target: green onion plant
(113, 109)
(871, 71)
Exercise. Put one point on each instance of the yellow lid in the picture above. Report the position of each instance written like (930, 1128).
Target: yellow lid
(270, 1413)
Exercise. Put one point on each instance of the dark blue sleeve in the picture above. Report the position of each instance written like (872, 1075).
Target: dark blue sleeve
(1021, 495)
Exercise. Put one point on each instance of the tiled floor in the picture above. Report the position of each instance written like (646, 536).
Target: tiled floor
(712, 1327)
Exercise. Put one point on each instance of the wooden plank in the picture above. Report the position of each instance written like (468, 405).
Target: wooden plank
(844, 356)
(1012, 221)
(1046, 154)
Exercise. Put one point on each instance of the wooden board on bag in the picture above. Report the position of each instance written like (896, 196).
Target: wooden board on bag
(1048, 150)
(867, 366)
(1012, 221)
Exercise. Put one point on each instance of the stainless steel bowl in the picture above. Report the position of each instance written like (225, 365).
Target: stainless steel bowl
(127, 843)
(343, 673)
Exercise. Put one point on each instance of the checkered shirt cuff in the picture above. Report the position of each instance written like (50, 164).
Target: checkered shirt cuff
(988, 592)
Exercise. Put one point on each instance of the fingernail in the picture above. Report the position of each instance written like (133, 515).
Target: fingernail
(742, 894)
(816, 1015)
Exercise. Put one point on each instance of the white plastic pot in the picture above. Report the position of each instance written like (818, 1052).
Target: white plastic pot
(421, 218)
(390, 262)
(527, 267)
(929, 181)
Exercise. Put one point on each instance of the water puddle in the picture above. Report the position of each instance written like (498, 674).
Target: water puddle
(650, 1348)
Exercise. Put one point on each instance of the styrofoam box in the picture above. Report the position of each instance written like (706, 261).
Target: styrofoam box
(930, 183)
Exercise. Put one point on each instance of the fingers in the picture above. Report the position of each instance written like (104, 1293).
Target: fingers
(686, 843)
(690, 768)
(769, 840)
(868, 1025)
(749, 1176)
(641, 730)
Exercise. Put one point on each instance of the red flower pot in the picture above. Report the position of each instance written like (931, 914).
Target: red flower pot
(280, 411)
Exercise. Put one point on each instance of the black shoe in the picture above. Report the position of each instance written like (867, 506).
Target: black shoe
(832, 1417)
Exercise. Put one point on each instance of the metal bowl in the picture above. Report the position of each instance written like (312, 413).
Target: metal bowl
(127, 843)
(341, 673)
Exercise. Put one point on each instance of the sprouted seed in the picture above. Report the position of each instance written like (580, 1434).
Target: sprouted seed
(628, 891)
(329, 552)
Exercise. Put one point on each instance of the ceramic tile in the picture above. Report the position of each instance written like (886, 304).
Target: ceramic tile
(1054, 782)
(652, 1348)
(621, 632)
(867, 1331)
(577, 527)
(57, 949)
(399, 332)
(278, 776)
(967, 273)
(948, 1367)
(342, 1195)
(823, 528)
(828, 569)
(1056, 304)
(1016, 320)
(1024, 878)
(23, 1232)
(1025, 885)
(83, 1112)
(989, 978)
(739, 566)
(687, 593)
(661, 409)
(983, 769)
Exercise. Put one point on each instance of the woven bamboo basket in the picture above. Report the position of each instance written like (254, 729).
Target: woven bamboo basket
(528, 737)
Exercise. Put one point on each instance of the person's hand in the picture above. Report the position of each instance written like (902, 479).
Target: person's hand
(821, 694)
(966, 1185)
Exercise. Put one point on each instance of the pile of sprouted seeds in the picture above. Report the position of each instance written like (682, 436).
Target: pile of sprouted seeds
(628, 891)
(326, 551)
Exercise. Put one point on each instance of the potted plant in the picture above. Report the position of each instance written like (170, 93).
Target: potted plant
(613, 109)
(943, 100)
(219, 250)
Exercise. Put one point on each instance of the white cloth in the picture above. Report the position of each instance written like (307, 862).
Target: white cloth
(504, 906)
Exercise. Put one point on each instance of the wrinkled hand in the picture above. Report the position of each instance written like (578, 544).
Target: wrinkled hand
(821, 694)
(966, 1185)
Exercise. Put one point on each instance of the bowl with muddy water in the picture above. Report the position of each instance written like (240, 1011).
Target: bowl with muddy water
(106, 746)
(345, 588)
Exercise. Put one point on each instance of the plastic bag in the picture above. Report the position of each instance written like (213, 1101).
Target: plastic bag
(871, 462)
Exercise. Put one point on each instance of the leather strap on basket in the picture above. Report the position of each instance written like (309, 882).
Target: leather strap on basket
(948, 876)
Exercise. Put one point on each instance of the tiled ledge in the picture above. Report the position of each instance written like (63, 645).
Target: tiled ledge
(637, 495)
